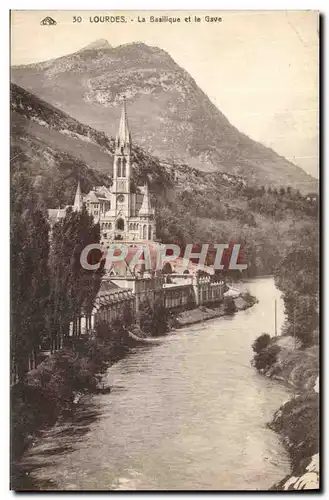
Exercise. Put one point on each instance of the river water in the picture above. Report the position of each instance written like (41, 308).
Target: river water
(189, 413)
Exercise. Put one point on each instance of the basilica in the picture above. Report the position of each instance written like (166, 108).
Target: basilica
(121, 213)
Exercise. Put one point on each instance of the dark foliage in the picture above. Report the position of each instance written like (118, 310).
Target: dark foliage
(266, 357)
(261, 342)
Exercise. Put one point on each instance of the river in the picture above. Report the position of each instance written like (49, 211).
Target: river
(189, 413)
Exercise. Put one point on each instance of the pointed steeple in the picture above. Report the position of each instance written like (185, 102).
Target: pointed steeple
(77, 207)
(146, 208)
(123, 136)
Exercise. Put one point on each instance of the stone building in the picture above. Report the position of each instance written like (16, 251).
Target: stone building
(122, 214)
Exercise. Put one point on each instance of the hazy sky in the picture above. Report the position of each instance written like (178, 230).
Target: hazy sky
(260, 68)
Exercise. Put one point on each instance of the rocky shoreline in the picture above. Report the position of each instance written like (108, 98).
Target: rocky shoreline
(297, 421)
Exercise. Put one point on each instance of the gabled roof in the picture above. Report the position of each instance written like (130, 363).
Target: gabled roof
(103, 192)
(91, 196)
(107, 286)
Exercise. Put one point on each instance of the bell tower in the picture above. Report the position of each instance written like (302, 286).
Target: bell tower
(122, 154)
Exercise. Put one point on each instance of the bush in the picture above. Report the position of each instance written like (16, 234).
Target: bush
(266, 357)
(229, 305)
(261, 342)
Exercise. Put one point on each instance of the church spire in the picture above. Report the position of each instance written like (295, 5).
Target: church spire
(77, 207)
(123, 136)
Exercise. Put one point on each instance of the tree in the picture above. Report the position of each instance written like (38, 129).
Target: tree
(297, 277)
(73, 288)
(29, 273)
(266, 357)
(261, 342)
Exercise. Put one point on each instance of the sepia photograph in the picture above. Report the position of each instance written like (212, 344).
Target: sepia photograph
(164, 251)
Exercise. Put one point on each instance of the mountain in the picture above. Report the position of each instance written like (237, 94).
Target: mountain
(169, 114)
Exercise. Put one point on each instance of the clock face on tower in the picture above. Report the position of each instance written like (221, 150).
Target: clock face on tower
(120, 198)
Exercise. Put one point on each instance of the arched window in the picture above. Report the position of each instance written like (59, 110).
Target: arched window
(150, 233)
(144, 232)
(124, 161)
(110, 225)
(120, 224)
(119, 172)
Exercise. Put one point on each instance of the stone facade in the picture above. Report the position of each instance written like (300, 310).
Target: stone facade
(122, 214)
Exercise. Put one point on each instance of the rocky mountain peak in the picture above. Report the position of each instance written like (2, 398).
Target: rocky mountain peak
(99, 44)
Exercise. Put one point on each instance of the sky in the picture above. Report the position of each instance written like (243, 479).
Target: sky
(260, 68)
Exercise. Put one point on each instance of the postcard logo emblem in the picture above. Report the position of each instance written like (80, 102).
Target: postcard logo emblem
(48, 21)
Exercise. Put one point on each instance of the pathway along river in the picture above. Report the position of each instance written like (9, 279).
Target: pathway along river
(189, 413)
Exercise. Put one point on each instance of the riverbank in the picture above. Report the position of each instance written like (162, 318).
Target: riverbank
(52, 390)
(203, 313)
(297, 421)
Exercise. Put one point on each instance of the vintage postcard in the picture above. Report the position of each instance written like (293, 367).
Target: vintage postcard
(164, 250)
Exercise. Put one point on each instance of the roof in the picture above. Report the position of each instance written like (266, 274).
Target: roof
(78, 198)
(108, 286)
(97, 194)
(102, 192)
(129, 267)
(91, 196)
(123, 135)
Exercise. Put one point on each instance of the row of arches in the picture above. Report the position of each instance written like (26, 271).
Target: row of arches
(121, 167)
(145, 231)
(119, 225)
